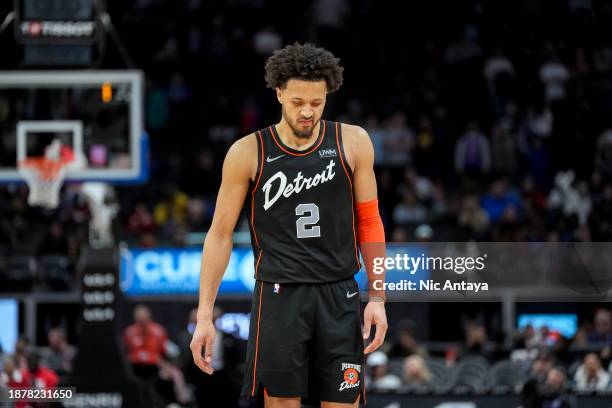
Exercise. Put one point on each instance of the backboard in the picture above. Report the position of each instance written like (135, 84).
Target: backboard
(96, 114)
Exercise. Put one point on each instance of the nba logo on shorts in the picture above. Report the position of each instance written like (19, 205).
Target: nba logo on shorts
(276, 288)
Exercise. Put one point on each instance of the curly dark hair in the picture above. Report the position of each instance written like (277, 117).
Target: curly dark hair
(306, 62)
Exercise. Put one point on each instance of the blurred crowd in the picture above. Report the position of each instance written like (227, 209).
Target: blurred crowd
(493, 127)
(542, 365)
(41, 368)
(481, 131)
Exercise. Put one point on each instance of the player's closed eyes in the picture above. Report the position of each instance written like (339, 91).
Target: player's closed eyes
(299, 104)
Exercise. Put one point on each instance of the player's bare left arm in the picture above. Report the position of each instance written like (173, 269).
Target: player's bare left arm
(371, 232)
(238, 169)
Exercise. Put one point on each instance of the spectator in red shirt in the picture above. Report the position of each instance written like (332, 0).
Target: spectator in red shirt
(41, 377)
(145, 342)
(15, 378)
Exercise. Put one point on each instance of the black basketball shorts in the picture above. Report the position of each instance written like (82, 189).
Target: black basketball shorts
(305, 340)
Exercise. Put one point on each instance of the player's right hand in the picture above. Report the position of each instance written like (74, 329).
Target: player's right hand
(202, 345)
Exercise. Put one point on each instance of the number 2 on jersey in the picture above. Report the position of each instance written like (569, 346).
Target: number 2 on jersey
(305, 225)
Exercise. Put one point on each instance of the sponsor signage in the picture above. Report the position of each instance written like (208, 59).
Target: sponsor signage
(67, 22)
(171, 271)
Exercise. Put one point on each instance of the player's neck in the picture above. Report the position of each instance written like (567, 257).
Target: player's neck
(290, 139)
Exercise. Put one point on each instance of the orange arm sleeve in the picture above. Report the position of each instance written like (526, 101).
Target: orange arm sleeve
(372, 243)
(370, 225)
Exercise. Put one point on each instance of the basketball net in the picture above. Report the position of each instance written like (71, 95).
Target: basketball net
(45, 174)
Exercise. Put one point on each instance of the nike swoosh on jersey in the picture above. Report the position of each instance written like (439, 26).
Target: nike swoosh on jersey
(350, 295)
(271, 159)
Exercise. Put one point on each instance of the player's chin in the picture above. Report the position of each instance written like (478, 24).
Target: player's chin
(303, 132)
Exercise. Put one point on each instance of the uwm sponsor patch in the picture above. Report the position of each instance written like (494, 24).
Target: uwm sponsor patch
(325, 153)
(350, 376)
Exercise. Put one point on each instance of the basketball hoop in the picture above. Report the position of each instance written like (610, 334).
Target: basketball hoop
(44, 177)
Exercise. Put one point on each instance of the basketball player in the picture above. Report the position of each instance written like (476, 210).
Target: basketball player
(311, 200)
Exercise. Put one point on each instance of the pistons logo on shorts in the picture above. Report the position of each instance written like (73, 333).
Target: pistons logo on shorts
(350, 375)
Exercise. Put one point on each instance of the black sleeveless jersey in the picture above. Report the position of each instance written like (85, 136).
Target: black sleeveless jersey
(301, 210)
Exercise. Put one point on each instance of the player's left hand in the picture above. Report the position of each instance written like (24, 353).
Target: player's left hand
(374, 315)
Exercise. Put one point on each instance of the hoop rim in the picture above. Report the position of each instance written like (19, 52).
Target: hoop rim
(45, 169)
